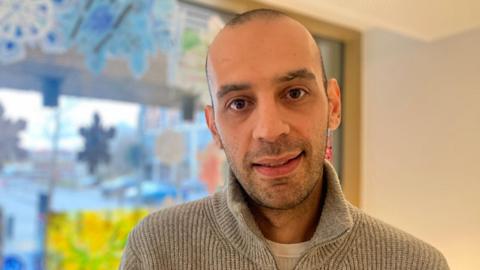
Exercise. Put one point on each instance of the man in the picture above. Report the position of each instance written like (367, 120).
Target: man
(282, 207)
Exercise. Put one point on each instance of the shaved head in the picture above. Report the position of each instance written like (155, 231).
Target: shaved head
(255, 14)
(260, 14)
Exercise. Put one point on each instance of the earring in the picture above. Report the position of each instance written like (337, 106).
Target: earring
(329, 148)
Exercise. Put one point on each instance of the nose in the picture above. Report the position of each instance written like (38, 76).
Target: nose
(270, 123)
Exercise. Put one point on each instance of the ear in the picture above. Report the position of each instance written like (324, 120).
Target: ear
(210, 118)
(334, 104)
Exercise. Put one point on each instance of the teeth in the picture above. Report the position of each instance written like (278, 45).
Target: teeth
(275, 164)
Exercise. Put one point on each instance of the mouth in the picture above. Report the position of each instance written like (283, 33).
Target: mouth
(278, 166)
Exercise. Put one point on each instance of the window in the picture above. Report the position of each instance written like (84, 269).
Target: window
(144, 153)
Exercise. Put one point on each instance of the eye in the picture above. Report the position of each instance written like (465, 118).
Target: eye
(296, 93)
(238, 104)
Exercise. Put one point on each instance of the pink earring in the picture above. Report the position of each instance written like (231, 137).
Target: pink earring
(329, 148)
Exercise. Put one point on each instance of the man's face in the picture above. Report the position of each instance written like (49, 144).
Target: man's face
(271, 112)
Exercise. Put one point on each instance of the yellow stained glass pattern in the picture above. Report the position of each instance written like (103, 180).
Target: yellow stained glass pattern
(92, 240)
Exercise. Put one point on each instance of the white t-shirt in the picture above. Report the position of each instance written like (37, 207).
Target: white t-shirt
(287, 255)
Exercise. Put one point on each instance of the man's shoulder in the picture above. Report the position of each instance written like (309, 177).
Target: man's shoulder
(178, 215)
(379, 231)
(394, 244)
(168, 223)
(164, 238)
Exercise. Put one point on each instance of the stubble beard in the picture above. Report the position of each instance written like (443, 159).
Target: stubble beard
(300, 185)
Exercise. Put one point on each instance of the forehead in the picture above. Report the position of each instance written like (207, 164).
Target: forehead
(261, 49)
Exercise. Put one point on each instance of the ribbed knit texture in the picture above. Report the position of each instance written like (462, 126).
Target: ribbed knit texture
(219, 232)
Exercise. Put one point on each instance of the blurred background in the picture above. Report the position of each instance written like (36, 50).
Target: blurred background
(101, 118)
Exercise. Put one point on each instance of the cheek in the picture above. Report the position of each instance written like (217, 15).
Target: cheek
(312, 127)
(313, 130)
(234, 139)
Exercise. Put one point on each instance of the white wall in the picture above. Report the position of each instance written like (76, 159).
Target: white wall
(421, 139)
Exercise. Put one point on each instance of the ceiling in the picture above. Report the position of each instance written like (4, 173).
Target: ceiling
(425, 20)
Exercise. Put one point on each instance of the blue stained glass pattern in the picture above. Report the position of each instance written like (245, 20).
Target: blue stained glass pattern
(103, 29)
(100, 20)
(18, 17)
(22, 22)
(132, 30)
(11, 51)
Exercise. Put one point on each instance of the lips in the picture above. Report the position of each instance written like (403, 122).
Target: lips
(273, 167)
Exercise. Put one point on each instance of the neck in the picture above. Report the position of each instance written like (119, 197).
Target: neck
(293, 225)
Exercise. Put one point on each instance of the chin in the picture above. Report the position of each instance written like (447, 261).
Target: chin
(280, 202)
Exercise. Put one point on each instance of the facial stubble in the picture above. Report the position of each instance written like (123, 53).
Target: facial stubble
(300, 185)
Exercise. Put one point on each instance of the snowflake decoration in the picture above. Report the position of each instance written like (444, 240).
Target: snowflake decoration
(55, 41)
(101, 29)
(25, 20)
(9, 138)
(22, 22)
(132, 30)
(96, 144)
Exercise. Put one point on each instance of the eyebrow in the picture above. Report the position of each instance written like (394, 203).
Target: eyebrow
(227, 88)
(302, 73)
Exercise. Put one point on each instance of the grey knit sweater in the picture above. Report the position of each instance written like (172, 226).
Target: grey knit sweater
(219, 232)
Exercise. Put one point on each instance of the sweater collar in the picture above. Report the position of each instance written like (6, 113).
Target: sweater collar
(244, 233)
